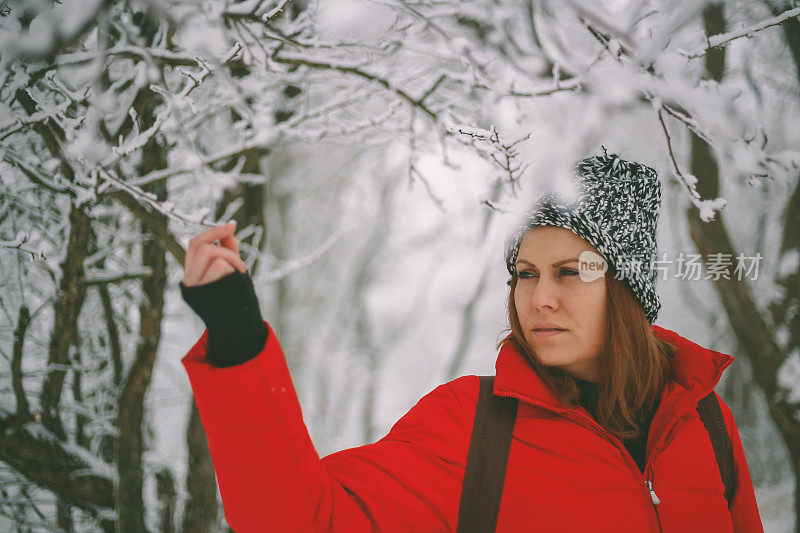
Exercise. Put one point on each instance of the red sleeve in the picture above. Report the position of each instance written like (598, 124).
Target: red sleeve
(743, 507)
(271, 477)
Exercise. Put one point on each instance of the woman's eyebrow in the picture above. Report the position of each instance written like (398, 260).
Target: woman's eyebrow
(557, 263)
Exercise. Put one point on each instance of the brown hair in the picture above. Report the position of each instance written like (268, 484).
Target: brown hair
(635, 363)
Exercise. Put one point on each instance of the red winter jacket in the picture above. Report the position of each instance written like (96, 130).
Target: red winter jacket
(565, 472)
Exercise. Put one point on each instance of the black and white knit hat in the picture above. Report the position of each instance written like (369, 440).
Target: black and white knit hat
(616, 211)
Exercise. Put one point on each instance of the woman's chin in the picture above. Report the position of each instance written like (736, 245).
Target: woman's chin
(550, 359)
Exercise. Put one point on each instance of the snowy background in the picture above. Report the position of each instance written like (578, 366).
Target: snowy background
(375, 155)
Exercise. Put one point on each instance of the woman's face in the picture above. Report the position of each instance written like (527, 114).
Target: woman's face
(550, 289)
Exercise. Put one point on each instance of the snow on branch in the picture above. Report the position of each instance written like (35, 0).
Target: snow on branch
(360, 72)
(65, 468)
(722, 39)
(166, 208)
(707, 208)
(165, 57)
(500, 154)
(174, 102)
(18, 241)
(459, 46)
(250, 9)
(53, 30)
(603, 21)
(708, 109)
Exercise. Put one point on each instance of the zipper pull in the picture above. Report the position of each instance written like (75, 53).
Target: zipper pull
(653, 496)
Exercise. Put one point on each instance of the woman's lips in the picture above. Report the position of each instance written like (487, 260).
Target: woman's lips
(547, 333)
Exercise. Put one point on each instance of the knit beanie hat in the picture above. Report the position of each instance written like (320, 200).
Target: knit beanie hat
(616, 211)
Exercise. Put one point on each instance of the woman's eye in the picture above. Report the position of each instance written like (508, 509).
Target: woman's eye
(563, 272)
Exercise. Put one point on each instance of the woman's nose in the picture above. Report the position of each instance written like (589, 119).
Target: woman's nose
(545, 294)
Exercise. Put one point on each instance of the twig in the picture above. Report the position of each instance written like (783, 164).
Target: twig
(290, 267)
(500, 154)
(413, 171)
(621, 34)
(722, 39)
(165, 57)
(194, 81)
(572, 84)
(104, 278)
(462, 48)
(38, 177)
(360, 73)
(36, 255)
(165, 208)
(705, 207)
(686, 120)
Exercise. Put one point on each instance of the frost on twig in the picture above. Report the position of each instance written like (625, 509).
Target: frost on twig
(175, 102)
(706, 208)
(712, 111)
(166, 208)
(17, 243)
(723, 39)
(489, 146)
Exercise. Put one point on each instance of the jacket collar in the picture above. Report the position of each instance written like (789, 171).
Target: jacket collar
(697, 371)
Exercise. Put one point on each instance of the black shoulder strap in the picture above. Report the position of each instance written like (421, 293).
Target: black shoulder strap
(486, 460)
(711, 415)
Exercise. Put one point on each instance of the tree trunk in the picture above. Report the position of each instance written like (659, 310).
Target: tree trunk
(165, 489)
(200, 511)
(757, 340)
(130, 506)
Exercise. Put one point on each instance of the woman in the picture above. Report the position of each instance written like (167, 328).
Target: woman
(606, 435)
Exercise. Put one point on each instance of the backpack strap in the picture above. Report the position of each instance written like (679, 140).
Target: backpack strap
(711, 415)
(487, 458)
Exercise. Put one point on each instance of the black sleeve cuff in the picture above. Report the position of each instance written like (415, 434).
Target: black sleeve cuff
(229, 309)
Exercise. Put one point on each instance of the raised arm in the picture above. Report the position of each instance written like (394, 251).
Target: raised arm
(272, 479)
(270, 476)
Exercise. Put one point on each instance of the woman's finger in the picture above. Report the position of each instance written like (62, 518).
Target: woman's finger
(218, 232)
(208, 252)
(204, 256)
(212, 234)
(219, 268)
(230, 241)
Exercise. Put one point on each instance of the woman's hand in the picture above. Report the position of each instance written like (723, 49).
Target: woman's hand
(206, 262)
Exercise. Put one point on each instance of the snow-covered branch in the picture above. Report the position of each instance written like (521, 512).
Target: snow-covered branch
(502, 155)
(723, 39)
(62, 467)
(175, 102)
(706, 208)
(360, 72)
(53, 31)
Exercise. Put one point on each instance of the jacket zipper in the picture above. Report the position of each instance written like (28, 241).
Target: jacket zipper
(657, 447)
(648, 483)
(654, 498)
(653, 495)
